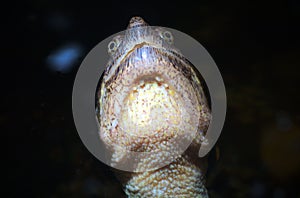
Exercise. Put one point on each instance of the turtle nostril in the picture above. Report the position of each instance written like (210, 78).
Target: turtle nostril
(136, 22)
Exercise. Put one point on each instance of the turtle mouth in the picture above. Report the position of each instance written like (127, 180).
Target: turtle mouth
(152, 106)
(148, 98)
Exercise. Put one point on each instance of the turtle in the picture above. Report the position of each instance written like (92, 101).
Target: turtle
(153, 114)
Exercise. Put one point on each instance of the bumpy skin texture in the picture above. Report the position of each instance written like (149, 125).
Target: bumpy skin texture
(184, 177)
(150, 102)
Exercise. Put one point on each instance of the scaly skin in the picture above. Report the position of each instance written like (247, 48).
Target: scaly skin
(151, 102)
(184, 177)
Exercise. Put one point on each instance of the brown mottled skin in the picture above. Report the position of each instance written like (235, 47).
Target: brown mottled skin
(151, 100)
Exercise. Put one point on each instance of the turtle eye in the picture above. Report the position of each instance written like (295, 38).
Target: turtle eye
(167, 36)
(114, 44)
(112, 47)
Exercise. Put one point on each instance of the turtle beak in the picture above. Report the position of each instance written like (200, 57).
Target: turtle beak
(136, 22)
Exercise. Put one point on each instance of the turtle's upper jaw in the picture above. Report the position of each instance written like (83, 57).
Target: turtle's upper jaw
(141, 38)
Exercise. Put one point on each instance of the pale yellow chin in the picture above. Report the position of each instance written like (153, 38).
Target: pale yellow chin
(151, 106)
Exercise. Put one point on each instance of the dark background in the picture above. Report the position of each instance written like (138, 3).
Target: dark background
(255, 45)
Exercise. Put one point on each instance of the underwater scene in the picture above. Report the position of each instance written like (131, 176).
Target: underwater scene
(254, 44)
